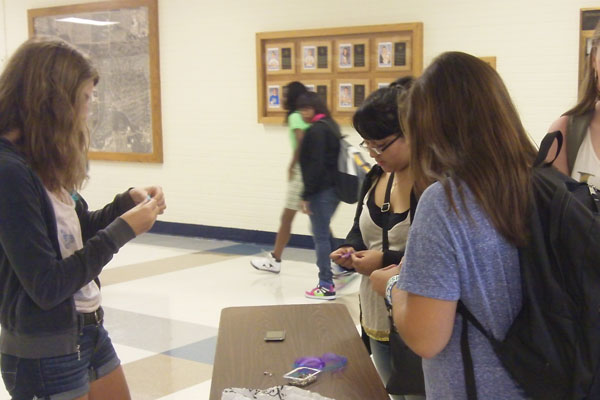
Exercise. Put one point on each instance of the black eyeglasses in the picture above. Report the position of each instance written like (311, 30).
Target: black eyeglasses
(379, 149)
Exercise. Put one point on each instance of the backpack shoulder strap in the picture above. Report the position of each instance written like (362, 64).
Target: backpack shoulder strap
(469, 371)
(332, 127)
(577, 126)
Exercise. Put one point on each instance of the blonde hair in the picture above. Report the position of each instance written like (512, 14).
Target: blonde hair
(41, 95)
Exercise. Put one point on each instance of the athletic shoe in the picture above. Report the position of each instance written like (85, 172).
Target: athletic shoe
(339, 272)
(321, 293)
(267, 263)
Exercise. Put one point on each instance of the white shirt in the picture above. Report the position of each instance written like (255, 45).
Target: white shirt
(587, 161)
(88, 298)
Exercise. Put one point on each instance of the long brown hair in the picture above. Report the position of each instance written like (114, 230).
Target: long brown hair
(588, 88)
(41, 94)
(462, 124)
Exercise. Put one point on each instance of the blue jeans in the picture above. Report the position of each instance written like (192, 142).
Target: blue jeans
(382, 357)
(63, 377)
(322, 206)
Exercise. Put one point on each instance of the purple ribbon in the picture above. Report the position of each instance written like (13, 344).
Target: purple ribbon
(327, 362)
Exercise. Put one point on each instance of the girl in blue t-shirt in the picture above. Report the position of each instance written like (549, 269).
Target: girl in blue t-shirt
(466, 136)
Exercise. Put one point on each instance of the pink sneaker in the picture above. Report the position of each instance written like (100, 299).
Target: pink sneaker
(321, 293)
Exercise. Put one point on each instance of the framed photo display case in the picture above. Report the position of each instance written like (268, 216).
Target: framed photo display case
(589, 18)
(343, 65)
(121, 38)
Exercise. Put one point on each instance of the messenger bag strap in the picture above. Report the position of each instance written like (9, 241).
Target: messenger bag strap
(385, 213)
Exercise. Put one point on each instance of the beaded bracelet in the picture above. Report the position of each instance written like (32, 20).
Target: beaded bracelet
(388, 289)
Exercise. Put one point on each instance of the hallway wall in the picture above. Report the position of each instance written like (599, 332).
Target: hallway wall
(222, 168)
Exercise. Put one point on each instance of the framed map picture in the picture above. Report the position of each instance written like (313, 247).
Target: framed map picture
(121, 38)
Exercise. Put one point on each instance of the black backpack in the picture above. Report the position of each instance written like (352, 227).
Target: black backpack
(552, 349)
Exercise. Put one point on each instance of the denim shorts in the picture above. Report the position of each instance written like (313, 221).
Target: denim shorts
(63, 377)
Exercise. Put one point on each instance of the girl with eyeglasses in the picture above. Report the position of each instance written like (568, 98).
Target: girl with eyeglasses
(363, 251)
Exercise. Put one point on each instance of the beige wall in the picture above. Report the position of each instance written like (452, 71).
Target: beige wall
(222, 168)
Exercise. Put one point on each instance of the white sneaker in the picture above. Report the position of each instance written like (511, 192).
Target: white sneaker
(267, 263)
(339, 272)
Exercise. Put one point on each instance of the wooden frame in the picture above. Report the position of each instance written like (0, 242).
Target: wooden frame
(588, 18)
(125, 122)
(382, 82)
(350, 94)
(322, 87)
(406, 40)
(491, 61)
(321, 57)
(284, 61)
(357, 55)
(393, 53)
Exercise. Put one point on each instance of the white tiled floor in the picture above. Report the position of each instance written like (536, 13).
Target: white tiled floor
(163, 296)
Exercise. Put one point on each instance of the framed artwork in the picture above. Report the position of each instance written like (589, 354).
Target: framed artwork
(322, 87)
(273, 60)
(589, 18)
(344, 56)
(274, 93)
(121, 38)
(316, 57)
(393, 53)
(279, 58)
(352, 55)
(350, 94)
(341, 64)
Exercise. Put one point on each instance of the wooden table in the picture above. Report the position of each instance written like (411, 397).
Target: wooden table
(242, 355)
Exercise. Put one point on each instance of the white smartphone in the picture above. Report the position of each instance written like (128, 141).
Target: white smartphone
(274, 336)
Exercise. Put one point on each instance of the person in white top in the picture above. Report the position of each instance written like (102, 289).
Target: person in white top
(53, 343)
(579, 155)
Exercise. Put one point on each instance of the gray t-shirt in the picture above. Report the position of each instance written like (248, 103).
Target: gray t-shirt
(452, 257)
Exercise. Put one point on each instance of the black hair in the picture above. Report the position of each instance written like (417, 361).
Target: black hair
(293, 91)
(377, 117)
(314, 101)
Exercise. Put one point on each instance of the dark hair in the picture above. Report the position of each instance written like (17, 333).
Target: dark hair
(293, 90)
(461, 123)
(377, 117)
(314, 101)
(588, 89)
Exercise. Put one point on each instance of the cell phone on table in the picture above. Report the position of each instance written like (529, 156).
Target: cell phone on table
(274, 336)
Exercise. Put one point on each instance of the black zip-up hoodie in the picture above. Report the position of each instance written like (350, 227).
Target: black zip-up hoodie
(318, 156)
(37, 310)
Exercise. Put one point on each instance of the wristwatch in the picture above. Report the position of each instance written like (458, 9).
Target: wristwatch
(388, 289)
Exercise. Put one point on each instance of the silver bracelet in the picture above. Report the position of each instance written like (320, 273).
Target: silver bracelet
(388, 289)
